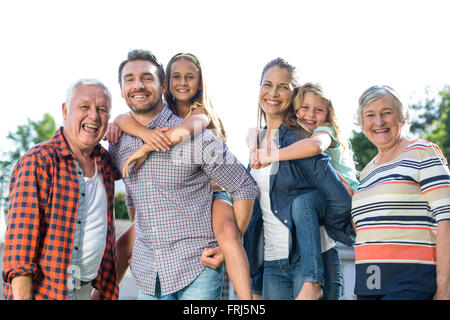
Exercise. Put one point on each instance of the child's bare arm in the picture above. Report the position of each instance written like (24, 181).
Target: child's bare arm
(196, 121)
(305, 148)
(193, 124)
(162, 139)
(155, 138)
(138, 157)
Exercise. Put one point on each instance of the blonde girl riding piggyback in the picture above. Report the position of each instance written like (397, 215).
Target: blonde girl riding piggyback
(315, 113)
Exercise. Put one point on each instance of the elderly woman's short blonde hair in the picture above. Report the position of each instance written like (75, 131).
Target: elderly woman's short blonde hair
(376, 92)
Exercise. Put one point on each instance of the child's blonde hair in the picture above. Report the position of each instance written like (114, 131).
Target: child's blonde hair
(317, 89)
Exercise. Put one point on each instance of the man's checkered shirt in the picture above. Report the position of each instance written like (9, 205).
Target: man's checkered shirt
(43, 219)
(172, 194)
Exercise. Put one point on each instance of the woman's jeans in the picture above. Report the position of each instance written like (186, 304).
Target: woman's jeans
(307, 210)
(282, 281)
(334, 278)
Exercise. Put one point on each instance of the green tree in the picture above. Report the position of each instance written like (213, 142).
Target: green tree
(25, 136)
(363, 149)
(424, 112)
(438, 130)
(120, 209)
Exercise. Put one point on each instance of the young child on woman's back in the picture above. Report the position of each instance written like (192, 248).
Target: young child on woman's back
(316, 115)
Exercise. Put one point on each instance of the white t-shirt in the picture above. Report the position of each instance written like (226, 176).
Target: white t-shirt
(94, 224)
(276, 234)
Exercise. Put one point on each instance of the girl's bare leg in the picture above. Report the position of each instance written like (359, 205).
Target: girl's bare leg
(124, 249)
(229, 239)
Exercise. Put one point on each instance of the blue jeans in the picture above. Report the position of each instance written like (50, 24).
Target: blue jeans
(334, 279)
(281, 281)
(307, 210)
(207, 286)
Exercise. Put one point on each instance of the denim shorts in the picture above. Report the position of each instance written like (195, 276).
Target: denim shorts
(223, 195)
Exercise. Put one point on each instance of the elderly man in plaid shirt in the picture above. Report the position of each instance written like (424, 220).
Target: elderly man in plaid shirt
(171, 194)
(60, 236)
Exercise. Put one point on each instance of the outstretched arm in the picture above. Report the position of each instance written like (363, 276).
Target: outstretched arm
(193, 125)
(163, 139)
(155, 138)
(305, 148)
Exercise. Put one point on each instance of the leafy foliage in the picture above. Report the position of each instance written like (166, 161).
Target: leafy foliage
(438, 130)
(363, 149)
(120, 209)
(27, 135)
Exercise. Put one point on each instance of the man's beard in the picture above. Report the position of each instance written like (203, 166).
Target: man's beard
(148, 108)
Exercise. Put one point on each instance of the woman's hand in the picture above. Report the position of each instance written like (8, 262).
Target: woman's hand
(138, 158)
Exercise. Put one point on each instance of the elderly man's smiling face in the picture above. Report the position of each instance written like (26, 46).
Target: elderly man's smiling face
(86, 119)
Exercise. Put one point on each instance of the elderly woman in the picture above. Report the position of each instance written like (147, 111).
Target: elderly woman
(401, 208)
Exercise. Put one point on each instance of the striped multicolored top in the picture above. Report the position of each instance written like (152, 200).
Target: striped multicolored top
(396, 210)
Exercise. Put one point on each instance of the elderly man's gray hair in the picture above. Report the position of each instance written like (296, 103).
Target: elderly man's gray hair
(87, 82)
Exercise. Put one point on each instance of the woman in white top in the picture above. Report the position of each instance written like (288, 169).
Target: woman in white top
(309, 185)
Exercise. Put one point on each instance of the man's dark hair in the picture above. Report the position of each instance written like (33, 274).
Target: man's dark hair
(144, 55)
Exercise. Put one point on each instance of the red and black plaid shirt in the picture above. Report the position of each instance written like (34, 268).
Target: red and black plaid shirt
(44, 197)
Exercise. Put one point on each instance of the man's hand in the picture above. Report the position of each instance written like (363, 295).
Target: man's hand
(212, 257)
(22, 288)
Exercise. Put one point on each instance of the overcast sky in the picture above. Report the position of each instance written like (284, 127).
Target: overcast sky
(345, 45)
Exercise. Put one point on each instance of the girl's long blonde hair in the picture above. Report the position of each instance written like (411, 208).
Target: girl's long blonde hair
(331, 119)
